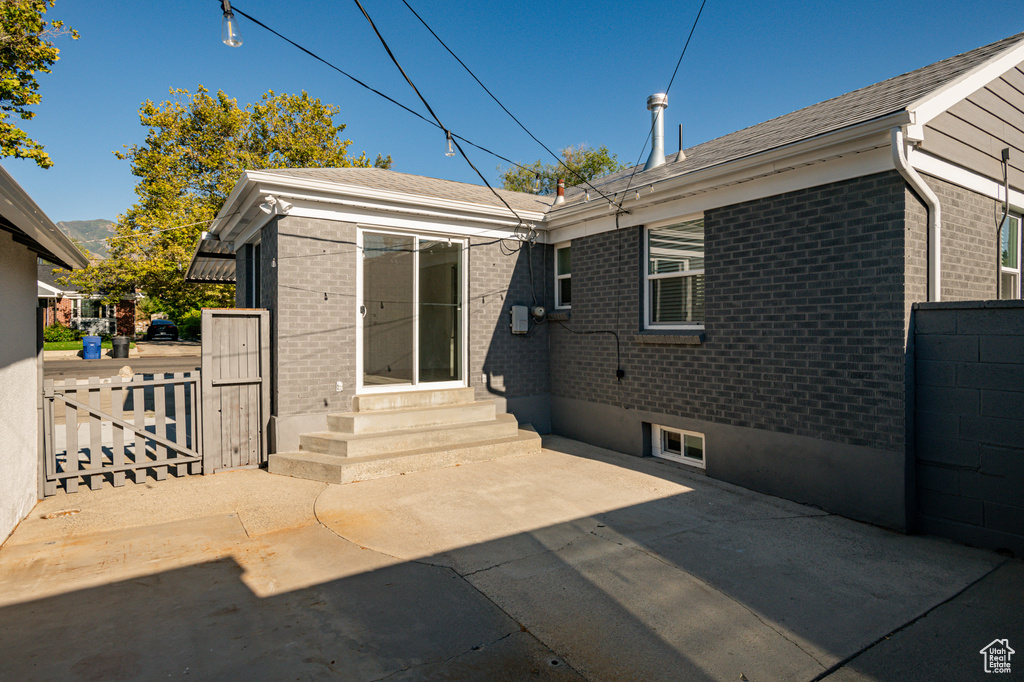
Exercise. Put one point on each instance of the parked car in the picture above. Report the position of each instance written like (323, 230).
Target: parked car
(161, 330)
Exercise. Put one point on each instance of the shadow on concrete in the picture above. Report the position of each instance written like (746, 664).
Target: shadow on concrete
(709, 583)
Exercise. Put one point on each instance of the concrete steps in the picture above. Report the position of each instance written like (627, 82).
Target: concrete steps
(394, 433)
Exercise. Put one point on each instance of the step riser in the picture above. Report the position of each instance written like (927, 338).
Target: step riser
(409, 440)
(348, 471)
(412, 399)
(382, 422)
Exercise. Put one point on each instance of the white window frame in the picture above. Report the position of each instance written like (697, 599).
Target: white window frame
(559, 305)
(649, 322)
(658, 449)
(1018, 270)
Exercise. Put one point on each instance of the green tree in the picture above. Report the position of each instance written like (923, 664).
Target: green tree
(26, 48)
(196, 148)
(585, 164)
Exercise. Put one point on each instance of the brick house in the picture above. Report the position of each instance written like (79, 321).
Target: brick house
(742, 307)
(71, 308)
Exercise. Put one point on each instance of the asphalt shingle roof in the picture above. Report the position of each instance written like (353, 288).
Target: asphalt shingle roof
(859, 106)
(378, 178)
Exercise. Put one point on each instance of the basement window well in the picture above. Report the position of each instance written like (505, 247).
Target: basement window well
(678, 446)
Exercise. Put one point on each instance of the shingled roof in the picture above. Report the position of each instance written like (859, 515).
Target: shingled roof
(853, 108)
(418, 185)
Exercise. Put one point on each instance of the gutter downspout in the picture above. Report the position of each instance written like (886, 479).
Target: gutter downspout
(917, 183)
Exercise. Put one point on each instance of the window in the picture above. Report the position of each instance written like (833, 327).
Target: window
(91, 308)
(1009, 276)
(675, 276)
(563, 276)
(679, 446)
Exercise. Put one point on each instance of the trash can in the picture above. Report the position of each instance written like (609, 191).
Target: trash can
(120, 347)
(91, 347)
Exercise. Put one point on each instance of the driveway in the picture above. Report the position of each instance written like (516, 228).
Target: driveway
(574, 564)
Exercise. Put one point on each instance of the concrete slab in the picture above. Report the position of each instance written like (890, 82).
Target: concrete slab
(574, 564)
(262, 502)
(946, 643)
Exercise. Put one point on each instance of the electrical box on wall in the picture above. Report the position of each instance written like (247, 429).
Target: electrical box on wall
(520, 319)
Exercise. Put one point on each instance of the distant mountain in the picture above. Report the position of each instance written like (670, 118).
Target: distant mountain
(88, 234)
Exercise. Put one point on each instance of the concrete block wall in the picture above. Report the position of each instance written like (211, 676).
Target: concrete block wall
(969, 422)
(804, 344)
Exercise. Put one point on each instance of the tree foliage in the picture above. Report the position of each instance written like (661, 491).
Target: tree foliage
(585, 164)
(26, 48)
(197, 146)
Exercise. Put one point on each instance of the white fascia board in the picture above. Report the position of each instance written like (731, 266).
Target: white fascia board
(687, 202)
(26, 215)
(391, 197)
(936, 102)
(410, 221)
(934, 166)
(228, 213)
(848, 141)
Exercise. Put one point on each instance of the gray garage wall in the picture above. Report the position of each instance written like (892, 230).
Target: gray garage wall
(969, 421)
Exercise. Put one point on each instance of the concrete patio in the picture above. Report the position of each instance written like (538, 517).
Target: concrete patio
(576, 563)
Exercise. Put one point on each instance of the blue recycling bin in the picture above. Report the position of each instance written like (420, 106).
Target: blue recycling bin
(91, 347)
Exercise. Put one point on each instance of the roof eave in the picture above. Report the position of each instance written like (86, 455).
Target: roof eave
(939, 100)
(845, 140)
(25, 214)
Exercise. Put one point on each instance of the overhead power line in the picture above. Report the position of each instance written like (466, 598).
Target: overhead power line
(377, 92)
(503, 108)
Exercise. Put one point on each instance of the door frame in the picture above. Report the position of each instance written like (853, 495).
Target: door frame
(464, 284)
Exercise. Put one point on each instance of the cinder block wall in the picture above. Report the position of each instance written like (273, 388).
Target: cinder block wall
(969, 422)
(799, 385)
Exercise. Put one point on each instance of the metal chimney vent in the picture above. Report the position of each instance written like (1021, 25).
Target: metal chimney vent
(656, 104)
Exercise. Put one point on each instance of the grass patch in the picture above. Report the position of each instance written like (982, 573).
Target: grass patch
(77, 345)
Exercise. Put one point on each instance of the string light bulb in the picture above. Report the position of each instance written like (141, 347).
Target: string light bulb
(586, 196)
(536, 182)
(229, 26)
(273, 262)
(450, 150)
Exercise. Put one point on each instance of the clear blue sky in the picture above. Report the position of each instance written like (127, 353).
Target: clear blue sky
(573, 72)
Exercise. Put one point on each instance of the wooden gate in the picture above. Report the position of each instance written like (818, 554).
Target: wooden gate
(236, 388)
(102, 429)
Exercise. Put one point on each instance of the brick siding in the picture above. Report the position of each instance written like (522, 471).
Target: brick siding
(515, 365)
(805, 329)
(968, 242)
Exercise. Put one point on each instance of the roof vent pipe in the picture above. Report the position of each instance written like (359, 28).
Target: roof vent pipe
(560, 196)
(656, 104)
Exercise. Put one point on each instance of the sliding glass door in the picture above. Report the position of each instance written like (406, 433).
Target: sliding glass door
(411, 310)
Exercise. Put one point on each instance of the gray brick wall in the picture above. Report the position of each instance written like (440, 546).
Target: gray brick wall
(515, 366)
(968, 242)
(969, 421)
(805, 330)
(315, 337)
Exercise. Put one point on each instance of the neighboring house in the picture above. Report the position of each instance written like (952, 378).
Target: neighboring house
(25, 234)
(73, 309)
(745, 312)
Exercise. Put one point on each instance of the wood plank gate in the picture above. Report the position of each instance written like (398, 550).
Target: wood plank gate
(235, 387)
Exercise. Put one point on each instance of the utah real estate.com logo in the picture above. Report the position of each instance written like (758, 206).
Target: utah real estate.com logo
(997, 656)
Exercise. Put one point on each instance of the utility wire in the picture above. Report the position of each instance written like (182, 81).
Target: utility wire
(427, 105)
(151, 232)
(671, 80)
(374, 90)
(503, 108)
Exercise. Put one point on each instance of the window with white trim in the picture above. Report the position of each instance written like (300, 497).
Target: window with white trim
(674, 280)
(679, 446)
(1010, 270)
(563, 276)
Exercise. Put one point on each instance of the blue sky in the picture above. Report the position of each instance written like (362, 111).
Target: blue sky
(573, 72)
